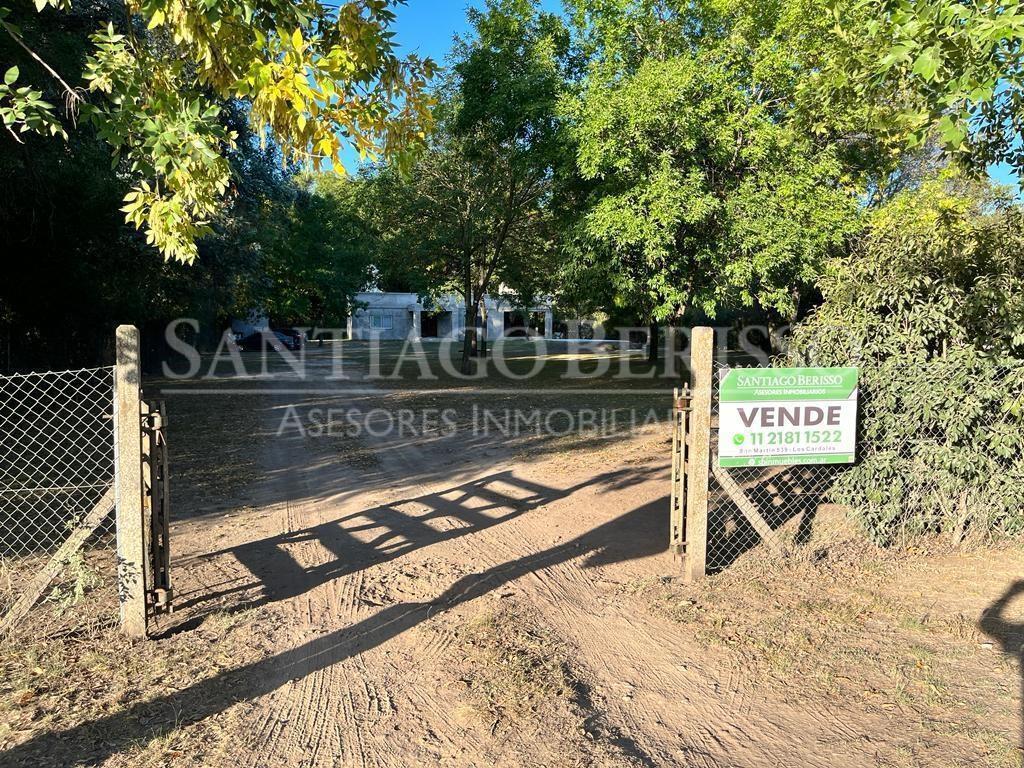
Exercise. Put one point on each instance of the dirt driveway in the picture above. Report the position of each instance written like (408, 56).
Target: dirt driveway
(442, 599)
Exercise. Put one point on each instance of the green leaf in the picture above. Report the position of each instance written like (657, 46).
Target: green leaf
(951, 131)
(11, 75)
(927, 63)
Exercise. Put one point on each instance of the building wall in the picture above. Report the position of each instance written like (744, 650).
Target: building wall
(382, 310)
(401, 311)
(382, 322)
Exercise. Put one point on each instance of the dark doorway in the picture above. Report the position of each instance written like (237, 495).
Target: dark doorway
(428, 324)
(520, 323)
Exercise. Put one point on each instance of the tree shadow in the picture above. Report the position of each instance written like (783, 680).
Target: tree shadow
(1009, 635)
(638, 533)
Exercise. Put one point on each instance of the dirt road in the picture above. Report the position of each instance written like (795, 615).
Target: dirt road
(398, 589)
(437, 596)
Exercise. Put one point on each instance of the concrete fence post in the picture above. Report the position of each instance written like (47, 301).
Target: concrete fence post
(128, 489)
(702, 353)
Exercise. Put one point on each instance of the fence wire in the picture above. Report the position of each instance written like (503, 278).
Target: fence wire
(751, 506)
(938, 453)
(56, 460)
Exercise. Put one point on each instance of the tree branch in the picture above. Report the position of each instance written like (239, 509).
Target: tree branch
(70, 94)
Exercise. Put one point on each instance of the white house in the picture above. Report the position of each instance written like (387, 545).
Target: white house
(389, 315)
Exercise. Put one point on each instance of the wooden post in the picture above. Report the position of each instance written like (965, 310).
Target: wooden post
(131, 545)
(698, 455)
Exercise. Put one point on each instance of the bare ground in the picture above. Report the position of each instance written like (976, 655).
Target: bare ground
(375, 601)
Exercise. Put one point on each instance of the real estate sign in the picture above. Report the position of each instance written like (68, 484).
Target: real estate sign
(771, 416)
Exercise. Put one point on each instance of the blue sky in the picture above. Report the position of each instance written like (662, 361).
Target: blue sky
(428, 27)
(1003, 174)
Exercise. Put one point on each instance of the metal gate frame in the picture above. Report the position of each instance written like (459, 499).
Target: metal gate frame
(156, 509)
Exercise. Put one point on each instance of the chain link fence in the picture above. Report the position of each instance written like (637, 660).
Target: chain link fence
(750, 506)
(939, 452)
(56, 465)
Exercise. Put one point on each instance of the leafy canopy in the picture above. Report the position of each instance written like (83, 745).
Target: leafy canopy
(929, 306)
(949, 69)
(318, 77)
(708, 190)
(472, 212)
(316, 252)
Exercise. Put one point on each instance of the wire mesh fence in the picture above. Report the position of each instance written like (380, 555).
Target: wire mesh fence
(56, 464)
(751, 506)
(938, 452)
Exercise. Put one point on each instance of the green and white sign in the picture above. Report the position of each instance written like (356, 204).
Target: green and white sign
(771, 416)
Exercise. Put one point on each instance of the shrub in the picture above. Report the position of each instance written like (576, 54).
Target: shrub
(930, 306)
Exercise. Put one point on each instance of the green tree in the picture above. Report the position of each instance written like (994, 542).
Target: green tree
(80, 269)
(473, 213)
(316, 253)
(709, 189)
(914, 70)
(318, 78)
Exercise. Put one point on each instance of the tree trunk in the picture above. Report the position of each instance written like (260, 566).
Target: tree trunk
(469, 338)
(652, 343)
(777, 332)
(778, 325)
(776, 336)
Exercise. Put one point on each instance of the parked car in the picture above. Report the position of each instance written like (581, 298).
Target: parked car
(297, 336)
(261, 340)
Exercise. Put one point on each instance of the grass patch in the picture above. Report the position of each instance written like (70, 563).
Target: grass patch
(525, 690)
(519, 667)
(68, 669)
(835, 625)
(212, 448)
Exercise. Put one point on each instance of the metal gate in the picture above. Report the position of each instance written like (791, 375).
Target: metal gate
(156, 509)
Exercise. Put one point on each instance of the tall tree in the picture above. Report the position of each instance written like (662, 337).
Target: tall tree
(81, 270)
(709, 188)
(930, 306)
(473, 213)
(318, 77)
(316, 253)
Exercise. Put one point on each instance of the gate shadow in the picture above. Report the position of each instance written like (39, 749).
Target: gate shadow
(382, 533)
(638, 533)
(779, 497)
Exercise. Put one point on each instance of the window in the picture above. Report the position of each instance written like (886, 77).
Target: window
(381, 321)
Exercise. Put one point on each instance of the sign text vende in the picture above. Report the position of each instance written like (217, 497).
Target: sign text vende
(787, 416)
